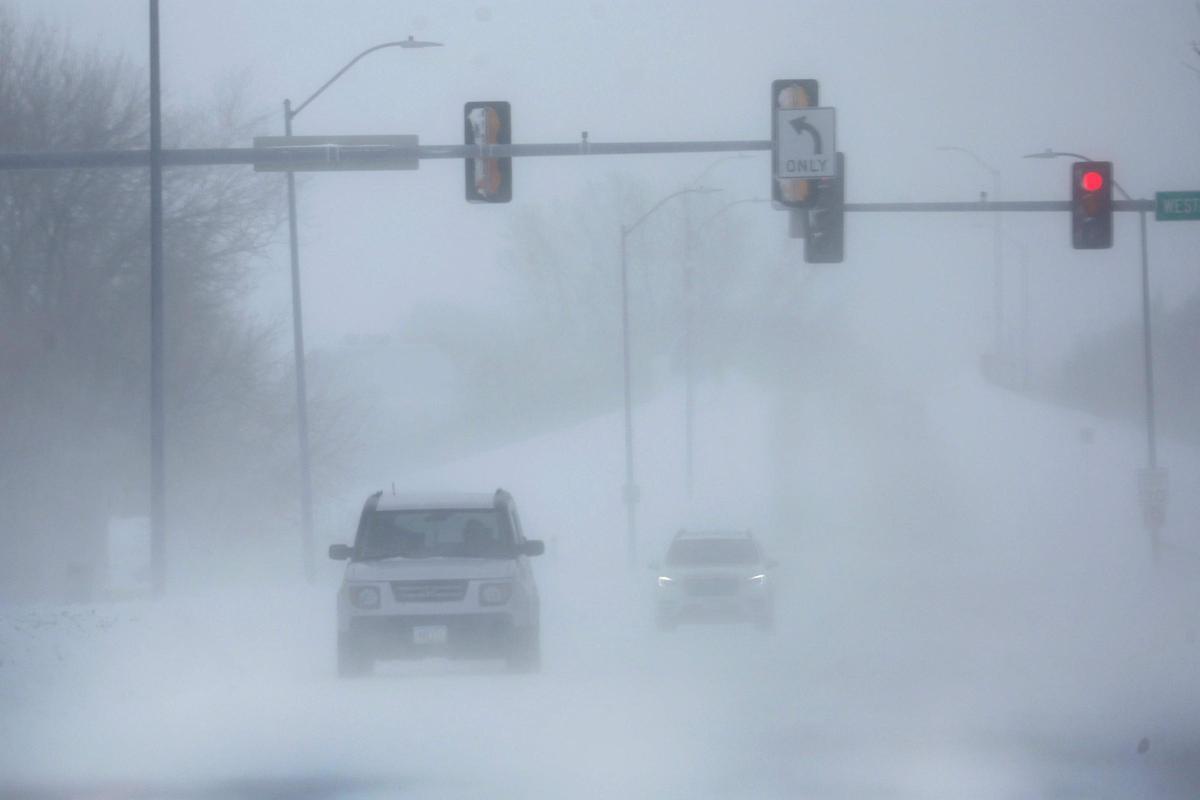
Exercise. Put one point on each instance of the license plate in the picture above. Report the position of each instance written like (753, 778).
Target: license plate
(429, 634)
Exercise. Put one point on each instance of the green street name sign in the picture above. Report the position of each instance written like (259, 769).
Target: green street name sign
(1170, 206)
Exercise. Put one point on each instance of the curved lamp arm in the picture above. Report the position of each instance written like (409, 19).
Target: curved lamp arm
(406, 43)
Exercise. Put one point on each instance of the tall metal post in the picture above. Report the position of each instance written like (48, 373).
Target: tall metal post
(689, 371)
(997, 252)
(689, 329)
(630, 491)
(997, 271)
(306, 512)
(1025, 368)
(1148, 351)
(1155, 510)
(158, 559)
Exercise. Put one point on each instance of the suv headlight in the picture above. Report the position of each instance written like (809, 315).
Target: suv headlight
(495, 594)
(758, 580)
(665, 582)
(365, 597)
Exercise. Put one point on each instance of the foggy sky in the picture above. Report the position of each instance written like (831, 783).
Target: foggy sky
(1003, 79)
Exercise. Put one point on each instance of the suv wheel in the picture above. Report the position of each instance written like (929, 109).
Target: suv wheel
(352, 661)
(526, 653)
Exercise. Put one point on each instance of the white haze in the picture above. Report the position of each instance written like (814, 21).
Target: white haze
(969, 606)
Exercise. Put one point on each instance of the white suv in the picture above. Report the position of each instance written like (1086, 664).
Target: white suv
(710, 576)
(441, 575)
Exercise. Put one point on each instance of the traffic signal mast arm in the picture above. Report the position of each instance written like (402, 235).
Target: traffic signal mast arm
(283, 157)
(267, 157)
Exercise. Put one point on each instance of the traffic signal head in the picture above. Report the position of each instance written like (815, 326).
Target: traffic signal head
(1091, 205)
(825, 241)
(489, 180)
(792, 93)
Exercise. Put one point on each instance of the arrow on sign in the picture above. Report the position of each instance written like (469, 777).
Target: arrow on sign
(800, 125)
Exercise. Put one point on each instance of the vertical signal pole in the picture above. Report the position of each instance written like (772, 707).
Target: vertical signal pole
(689, 372)
(158, 561)
(1148, 350)
(1155, 500)
(631, 494)
(997, 272)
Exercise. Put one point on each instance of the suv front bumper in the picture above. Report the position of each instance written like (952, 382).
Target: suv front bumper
(485, 635)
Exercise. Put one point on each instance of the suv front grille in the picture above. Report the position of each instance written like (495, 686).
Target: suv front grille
(429, 591)
(710, 585)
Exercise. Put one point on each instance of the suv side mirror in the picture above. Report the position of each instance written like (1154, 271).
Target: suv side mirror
(532, 547)
(340, 552)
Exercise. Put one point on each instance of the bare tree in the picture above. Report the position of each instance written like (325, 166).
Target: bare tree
(74, 257)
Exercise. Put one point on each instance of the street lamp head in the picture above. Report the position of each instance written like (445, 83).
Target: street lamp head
(1047, 153)
(411, 42)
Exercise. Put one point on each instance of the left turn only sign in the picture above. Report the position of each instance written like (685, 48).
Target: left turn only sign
(805, 143)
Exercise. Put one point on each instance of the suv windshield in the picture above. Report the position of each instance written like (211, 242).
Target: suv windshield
(482, 533)
(711, 552)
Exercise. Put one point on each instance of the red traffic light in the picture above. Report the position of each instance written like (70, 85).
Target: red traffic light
(1092, 181)
(1091, 205)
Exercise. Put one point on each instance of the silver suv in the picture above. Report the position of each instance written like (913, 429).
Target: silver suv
(438, 575)
(711, 576)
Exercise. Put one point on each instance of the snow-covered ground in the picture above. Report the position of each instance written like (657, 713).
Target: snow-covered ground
(968, 608)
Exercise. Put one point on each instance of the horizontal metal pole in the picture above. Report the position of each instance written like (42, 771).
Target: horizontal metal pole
(351, 153)
(585, 148)
(359, 157)
(1003, 205)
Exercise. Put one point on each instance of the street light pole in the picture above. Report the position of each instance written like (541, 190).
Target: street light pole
(1148, 351)
(689, 365)
(631, 492)
(997, 251)
(1023, 333)
(306, 501)
(1025, 368)
(306, 510)
(158, 546)
(1153, 522)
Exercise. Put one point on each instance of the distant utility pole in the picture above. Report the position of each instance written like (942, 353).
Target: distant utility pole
(631, 492)
(997, 251)
(158, 559)
(689, 326)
